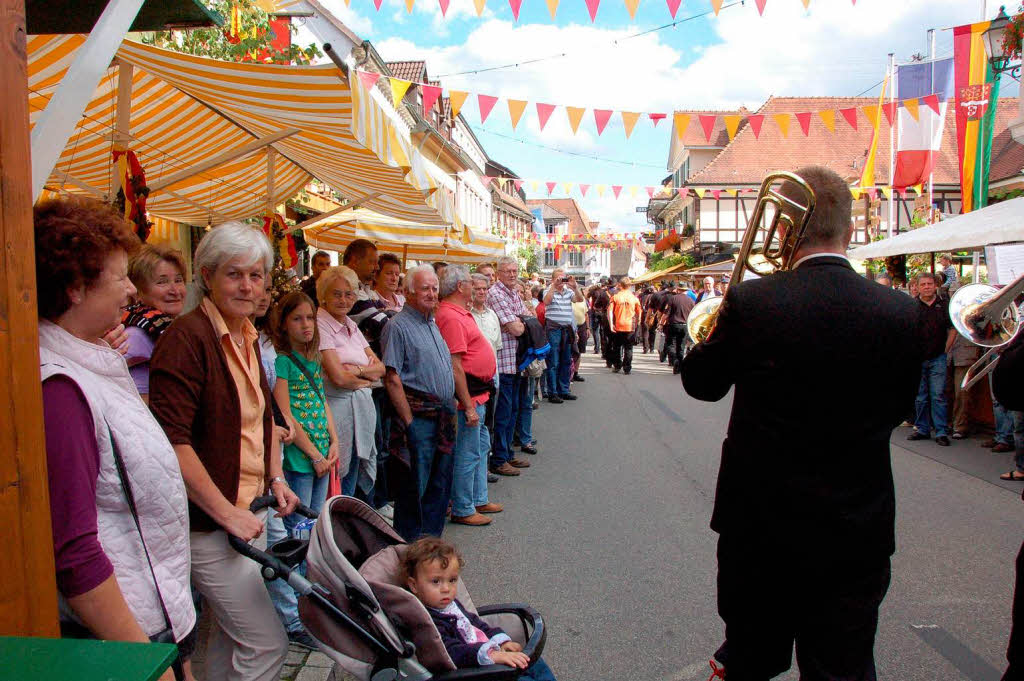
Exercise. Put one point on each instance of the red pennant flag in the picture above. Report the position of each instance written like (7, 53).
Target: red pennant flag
(518, 184)
(760, 6)
(551, 187)
(717, 193)
(487, 179)
(805, 122)
(650, 192)
(584, 188)
(377, 3)
(601, 117)
(890, 111)
(873, 193)
(430, 94)
(673, 6)
(486, 103)
(368, 79)
(592, 6)
(544, 113)
(851, 116)
(932, 101)
(444, 6)
(708, 123)
(683, 191)
(515, 5)
(656, 118)
(616, 188)
(755, 124)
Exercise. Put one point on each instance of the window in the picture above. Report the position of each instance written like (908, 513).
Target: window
(575, 258)
(549, 257)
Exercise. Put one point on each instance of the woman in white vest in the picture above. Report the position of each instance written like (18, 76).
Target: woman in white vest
(121, 575)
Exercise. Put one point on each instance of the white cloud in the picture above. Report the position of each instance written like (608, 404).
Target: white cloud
(360, 24)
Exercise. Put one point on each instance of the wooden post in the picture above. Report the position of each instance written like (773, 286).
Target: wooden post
(28, 592)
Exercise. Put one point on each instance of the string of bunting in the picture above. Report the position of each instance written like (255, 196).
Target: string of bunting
(572, 242)
(592, 6)
(680, 121)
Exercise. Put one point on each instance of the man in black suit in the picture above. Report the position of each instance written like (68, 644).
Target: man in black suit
(805, 506)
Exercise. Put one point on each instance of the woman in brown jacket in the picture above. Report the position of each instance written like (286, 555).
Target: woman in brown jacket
(209, 392)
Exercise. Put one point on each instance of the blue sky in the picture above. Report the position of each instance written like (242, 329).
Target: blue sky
(738, 58)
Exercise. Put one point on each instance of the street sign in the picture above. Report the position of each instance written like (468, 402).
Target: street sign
(641, 209)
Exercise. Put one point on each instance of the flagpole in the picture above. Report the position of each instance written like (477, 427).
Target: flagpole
(931, 128)
(892, 140)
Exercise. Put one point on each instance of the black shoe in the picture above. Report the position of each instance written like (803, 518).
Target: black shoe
(555, 399)
(942, 440)
(615, 370)
(529, 449)
(627, 371)
(917, 436)
(302, 638)
(569, 396)
(516, 442)
(579, 379)
(491, 477)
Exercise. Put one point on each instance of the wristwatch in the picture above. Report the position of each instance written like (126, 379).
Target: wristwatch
(277, 479)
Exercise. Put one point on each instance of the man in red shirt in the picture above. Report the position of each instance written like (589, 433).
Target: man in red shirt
(474, 368)
(623, 318)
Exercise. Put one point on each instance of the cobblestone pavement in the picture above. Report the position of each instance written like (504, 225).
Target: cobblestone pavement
(306, 665)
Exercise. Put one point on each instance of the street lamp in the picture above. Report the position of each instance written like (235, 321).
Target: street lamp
(993, 39)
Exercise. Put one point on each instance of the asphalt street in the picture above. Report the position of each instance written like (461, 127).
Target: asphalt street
(607, 535)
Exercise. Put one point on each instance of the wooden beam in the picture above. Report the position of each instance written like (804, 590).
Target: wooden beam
(271, 153)
(220, 159)
(341, 209)
(75, 182)
(28, 590)
(121, 135)
(195, 204)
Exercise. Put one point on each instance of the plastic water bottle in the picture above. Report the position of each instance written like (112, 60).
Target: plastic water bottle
(303, 529)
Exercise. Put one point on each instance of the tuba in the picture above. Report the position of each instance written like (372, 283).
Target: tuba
(986, 316)
(776, 251)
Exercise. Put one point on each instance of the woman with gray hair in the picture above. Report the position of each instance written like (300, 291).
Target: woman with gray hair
(209, 392)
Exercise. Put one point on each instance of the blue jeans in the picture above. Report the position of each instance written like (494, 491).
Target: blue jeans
(540, 671)
(560, 359)
(312, 491)
(506, 415)
(1004, 422)
(420, 509)
(931, 398)
(524, 420)
(595, 331)
(469, 483)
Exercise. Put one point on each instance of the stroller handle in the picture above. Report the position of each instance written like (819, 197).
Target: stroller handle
(270, 501)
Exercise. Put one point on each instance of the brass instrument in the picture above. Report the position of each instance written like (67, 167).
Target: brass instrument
(777, 251)
(986, 316)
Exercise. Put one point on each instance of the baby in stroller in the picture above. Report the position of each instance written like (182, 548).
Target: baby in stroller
(430, 570)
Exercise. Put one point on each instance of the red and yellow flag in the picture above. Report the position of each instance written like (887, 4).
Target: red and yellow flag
(867, 178)
(971, 73)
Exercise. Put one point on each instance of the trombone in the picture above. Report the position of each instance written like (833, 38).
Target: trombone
(777, 250)
(986, 316)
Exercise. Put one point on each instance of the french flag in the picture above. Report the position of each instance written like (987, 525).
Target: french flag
(930, 83)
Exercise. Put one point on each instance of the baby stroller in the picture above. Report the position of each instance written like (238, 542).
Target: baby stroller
(353, 605)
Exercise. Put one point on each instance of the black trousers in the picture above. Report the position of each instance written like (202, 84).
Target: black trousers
(622, 350)
(772, 598)
(1015, 651)
(675, 343)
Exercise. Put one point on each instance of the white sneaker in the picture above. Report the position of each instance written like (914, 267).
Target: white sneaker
(388, 511)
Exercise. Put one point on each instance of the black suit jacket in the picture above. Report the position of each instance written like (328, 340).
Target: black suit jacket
(825, 364)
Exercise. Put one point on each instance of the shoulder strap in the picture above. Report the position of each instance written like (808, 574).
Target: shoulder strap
(305, 372)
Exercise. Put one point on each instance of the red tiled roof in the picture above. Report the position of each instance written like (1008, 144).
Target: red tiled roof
(747, 159)
(579, 223)
(408, 70)
(694, 134)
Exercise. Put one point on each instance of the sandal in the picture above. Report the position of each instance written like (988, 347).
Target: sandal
(1012, 475)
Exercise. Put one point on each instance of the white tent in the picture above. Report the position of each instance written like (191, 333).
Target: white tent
(999, 223)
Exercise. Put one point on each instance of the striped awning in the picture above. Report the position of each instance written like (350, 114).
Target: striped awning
(413, 241)
(186, 110)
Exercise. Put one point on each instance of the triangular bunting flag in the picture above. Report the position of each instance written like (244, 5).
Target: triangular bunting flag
(479, 5)
(656, 118)
(629, 119)
(430, 94)
(583, 189)
(872, 193)
(444, 6)
(708, 124)
(755, 124)
(633, 190)
(408, 5)
(486, 103)
(515, 5)
(856, 191)
(534, 184)
(650, 192)
(616, 189)
(932, 101)
(631, 6)
(717, 6)
(601, 117)
(917, 189)
(760, 6)
(518, 184)
(911, 106)
(600, 189)
(717, 193)
(376, 3)
(552, 7)
(367, 79)
(782, 120)
(592, 6)
(887, 192)
(828, 117)
(871, 113)
(457, 98)
(804, 118)
(683, 191)
(398, 90)
(851, 116)
(890, 111)
(732, 123)
(575, 116)
(567, 186)
(550, 186)
(673, 7)
(516, 107)
(680, 122)
(544, 113)
(732, 192)
(807, 3)
(487, 179)
(699, 191)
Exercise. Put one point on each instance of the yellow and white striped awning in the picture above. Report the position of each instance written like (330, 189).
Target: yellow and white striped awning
(186, 110)
(403, 238)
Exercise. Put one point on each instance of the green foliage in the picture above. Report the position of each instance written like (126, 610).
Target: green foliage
(665, 259)
(255, 38)
(527, 257)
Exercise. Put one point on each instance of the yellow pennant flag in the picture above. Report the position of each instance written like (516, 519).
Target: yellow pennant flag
(408, 5)
(575, 116)
(732, 192)
(716, 5)
(629, 119)
(856, 192)
(633, 190)
(457, 99)
(631, 6)
(828, 117)
(699, 191)
(516, 107)
(680, 122)
(887, 191)
(917, 189)
(479, 4)
(600, 190)
(871, 113)
(782, 120)
(911, 106)
(398, 90)
(552, 7)
(867, 178)
(567, 186)
(731, 124)
(534, 184)
(807, 3)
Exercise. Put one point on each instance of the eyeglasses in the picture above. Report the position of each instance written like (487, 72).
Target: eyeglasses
(344, 295)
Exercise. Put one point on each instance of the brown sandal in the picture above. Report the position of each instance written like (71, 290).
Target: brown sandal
(1012, 475)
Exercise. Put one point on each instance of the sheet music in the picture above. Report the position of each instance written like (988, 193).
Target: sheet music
(1005, 263)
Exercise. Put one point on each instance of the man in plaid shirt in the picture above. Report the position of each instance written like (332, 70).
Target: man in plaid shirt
(512, 388)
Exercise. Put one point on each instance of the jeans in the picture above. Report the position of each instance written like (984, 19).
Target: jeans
(540, 671)
(622, 350)
(506, 415)
(675, 343)
(311, 490)
(595, 331)
(421, 508)
(469, 482)
(931, 398)
(560, 359)
(1004, 422)
(524, 419)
